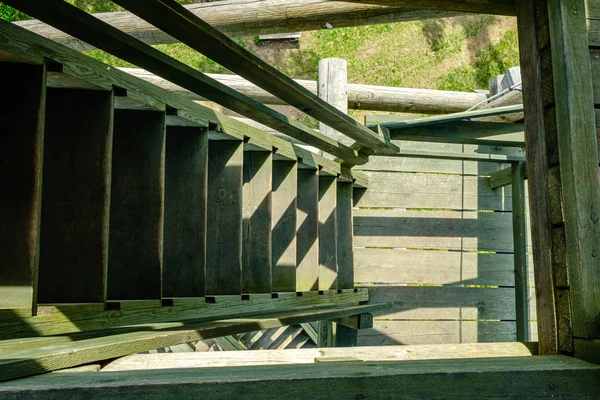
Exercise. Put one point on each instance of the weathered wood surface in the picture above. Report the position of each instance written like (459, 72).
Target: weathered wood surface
(520, 251)
(30, 362)
(283, 226)
(578, 154)
(327, 233)
(307, 235)
(532, 24)
(478, 378)
(138, 362)
(466, 132)
(378, 265)
(436, 191)
(345, 235)
(360, 97)
(501, 178)
(54, 320)
(224, 224)
(135, 255)
(250, 18)
(76, 192)
(256, 224)
(453, 230)
(332, 88)
(186, 175)
(71, 19)
(176, 20)
(497, 7)
(21, 149)
(391, 333)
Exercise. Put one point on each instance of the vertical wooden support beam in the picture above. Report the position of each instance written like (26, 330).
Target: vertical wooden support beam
(326, 334)
(22, 110)
(283, 239)
(327, 233)
(256, 226)
(332, 87)
(578, 156)
(532, 24)
(520, 250)
(224, 224)
(345, 236)
(137, 206)
(307, 236)
(76, 196)
(186, 180)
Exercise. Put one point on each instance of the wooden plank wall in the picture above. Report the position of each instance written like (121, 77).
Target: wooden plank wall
(434, 241)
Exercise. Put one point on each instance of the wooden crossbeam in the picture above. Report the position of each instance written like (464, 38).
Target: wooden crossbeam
(440, 119)
(146, 337)
(510, 377)
(176, 20)
(497, 7)
(84, 26)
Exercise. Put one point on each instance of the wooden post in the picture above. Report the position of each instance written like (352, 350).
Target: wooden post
(22, 111)
(578, 154)
(534, 42)
(137, 206)
(186, 175)
(332, 87)
(285, 187)
(520, 251)
(76, 190)
(256, 229)
(224, 226)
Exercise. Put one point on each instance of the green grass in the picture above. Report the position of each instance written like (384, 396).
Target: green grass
(461, 53)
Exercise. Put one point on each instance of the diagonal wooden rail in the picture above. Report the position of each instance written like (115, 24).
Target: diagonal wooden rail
(80, 24)
(176, 20)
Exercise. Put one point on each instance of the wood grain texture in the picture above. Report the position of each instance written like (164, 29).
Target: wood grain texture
(520, 251)
(173, 18)
(360, 97)
(327, 233)
(345, 235)
(186, 175)
(256, 225)
(239, 18)
(532, 22)
(391, 333)
(21, 152)
(30, 362)
(224, 225)
(376, 265)
(140, 362)
(54, 320)
(307, 236)
(454, 379)
(578, 155)
(497, 7)
(137, 206)
(436, 191)
(73, 20)
(449, 230)
(283, 228)
(74, 243)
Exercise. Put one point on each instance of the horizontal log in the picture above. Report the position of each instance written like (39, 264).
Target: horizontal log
(360, 97)
(238, 18)
(497, 7)
(483, 378)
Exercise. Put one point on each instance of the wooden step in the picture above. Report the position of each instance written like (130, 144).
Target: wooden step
(307, 233)
(186, 182)
(22, 110)
(76, 196)
(224, 224)
(137, 206)
(256, 225)
(285, 187)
